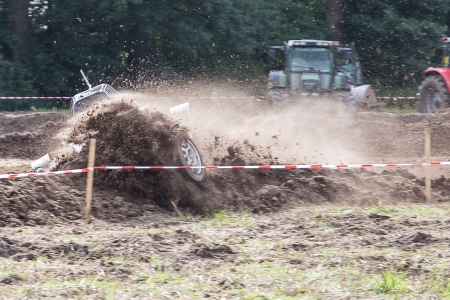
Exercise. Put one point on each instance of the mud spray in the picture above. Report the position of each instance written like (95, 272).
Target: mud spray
(135, 129)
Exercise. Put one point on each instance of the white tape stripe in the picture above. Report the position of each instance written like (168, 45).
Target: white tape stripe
(21, 175)
(395, 98)
(212, 97)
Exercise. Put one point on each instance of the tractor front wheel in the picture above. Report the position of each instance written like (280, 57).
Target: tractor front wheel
(434, 95)
(277, 99)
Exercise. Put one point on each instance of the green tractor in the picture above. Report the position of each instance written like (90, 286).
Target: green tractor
(316, 68)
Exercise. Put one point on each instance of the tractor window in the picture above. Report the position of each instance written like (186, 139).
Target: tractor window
(345, 61)
(310, 59)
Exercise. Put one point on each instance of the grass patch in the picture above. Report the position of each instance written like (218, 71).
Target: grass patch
(404, 212)
(398, 111)
(399, 106)
(255, 296)
(44, 110)
(333, 252)
(147, 231)
(243, 260)
(223, 218)
(392, 282)
(445, 289)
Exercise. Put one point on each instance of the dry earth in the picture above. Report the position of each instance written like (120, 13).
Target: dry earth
(312, 252)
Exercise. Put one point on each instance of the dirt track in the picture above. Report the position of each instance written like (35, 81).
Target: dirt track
(126, 199)
(129, 136)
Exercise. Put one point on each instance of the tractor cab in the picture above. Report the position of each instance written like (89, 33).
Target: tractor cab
(446, 50)
(318, 66)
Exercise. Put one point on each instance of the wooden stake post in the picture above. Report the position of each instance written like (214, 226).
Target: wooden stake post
(428, 168)
(90, 179)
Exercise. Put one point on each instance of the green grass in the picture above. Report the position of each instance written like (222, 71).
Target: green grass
(255, 296)
(225, 218)
(405, 91)
(407, 211)
(319, 272)
(444, 289)
(43, 109)
(332, 252)
(399, 111)
(399, 106)
(377, 252)
(147, 231)
(392, 282)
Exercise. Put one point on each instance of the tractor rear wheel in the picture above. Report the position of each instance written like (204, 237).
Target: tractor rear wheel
(434, 95)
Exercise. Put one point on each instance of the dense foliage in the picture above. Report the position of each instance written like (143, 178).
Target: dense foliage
(130, 41)
(397, 39)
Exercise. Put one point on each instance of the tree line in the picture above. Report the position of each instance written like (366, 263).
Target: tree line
(44, 43)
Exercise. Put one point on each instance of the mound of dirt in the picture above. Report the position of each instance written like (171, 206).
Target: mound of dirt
(125, 136)
(46, 200)
(28, 136)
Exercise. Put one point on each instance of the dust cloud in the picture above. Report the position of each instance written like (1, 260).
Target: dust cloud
(313, 130)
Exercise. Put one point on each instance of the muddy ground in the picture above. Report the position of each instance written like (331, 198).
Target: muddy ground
(241, 234)
(311, 252)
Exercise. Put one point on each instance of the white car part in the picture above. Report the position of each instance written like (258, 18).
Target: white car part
(41, 163)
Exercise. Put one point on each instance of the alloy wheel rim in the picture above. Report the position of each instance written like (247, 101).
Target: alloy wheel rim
(191, 156)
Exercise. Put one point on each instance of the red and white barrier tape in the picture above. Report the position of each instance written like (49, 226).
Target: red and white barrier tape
(20, 175)
(209, 97)
(316, 166)
(23, 98)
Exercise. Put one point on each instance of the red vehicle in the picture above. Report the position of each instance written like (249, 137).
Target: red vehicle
(435, 89)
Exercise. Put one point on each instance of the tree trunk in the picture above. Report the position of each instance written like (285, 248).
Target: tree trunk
(335, 15)
(21, 21)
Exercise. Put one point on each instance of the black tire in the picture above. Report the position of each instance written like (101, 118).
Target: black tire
(434, 95)
(189, 155)
(277, 99)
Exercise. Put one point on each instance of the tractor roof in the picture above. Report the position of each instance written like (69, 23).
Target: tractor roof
(312, 43)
